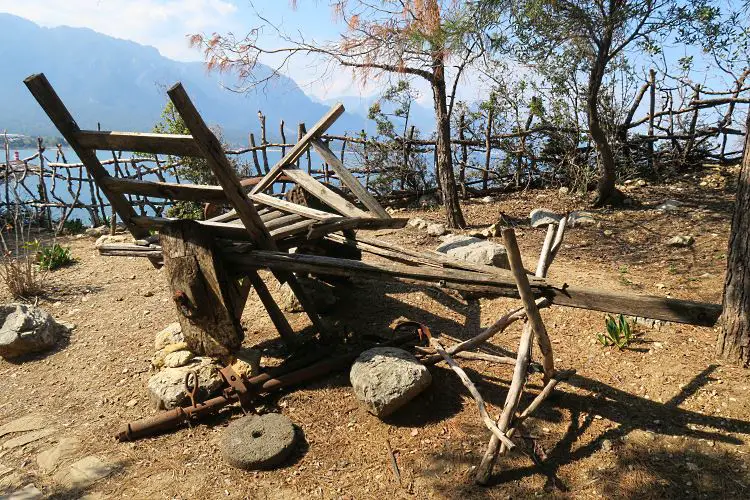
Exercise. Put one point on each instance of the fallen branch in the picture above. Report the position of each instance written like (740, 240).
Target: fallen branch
(474, 393)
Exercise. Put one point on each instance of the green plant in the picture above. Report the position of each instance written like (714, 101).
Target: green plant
(52, 257)
(619, 332)
(73, 226)
(186, 210)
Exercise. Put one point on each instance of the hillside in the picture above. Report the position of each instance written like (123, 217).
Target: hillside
(121, 85)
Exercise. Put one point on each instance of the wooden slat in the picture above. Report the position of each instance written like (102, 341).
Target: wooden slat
(291, 229)
(284, 220)
(168, 190)
(320, 191)
(321, 229)
(168, 144)
(210, 148)
(676, 310)
(298, 149)
(348, 179)
(51, 103)
(290, 207)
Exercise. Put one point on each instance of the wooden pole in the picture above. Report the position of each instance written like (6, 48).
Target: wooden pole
(251, 138)
(488, 148)
(464, 155)
(651, 112)
(263, 141)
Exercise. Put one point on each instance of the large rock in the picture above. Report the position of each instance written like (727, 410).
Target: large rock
(172, 334)
(107, 239)
(543, 217)
(386, 378)
(320, 292)
(85, 472)
(474, 250)
(436, 229)
(681, 241)
(167, 388)
(27, 329)
(258, 441)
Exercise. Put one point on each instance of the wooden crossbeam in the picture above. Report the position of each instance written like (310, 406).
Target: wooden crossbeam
(290, 207)
(168, 190)
(298, 149)
(348, 179)
(500, 283)
(169, 144)
(321, 192)
(210, 148)
(323, 228)
(51, 103)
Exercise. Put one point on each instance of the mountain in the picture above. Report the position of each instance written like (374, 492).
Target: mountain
(122, 85)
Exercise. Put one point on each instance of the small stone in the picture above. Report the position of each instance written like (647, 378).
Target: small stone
(436, 229)
(681, 241)
(581, 218)
(541, 217)
(487, 199)
(247, 362)
(167, 388)
(27, 438)
(669, 206)
(427, 201)
(608, 232)
(84, 472)
(692, 467)
(258, 441)
(386, 378)
(25, 424)
(415, 222)
(640, 183)
(148, 293)
(319, 291)
(95, 232)
(172, 334)
(564, 191)
(108, 240)
(606, 445)
(178, 358)
(28, 492)
(131, 403)
(49, 459)
(414, 433)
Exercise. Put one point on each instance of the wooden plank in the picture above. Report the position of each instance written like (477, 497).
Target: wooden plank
(277, 317)
(666, 309)
(51, 103)
(290, 207)
(284, 220)
(321, 229)
(168, 144)
(349, 180)
(210, 148)
(292, 229)
(168, 190)
(321, 192)
(298, 149)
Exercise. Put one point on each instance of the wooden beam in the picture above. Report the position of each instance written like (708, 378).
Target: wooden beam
(321, 229)
(348, 179)
(51, 103)
(290, 207)
(676, 310)
(210, 148)
(298, 149)
(168, 144)
(168, 190)
(321, 192)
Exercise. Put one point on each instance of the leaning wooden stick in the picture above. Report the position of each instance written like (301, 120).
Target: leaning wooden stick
(497, 433)
(534, 326)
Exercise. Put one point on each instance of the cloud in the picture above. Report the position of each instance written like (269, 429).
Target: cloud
(163, 24)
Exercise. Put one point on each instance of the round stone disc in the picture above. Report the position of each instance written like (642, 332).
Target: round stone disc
(258, 441)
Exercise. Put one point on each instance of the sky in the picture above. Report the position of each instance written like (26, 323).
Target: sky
(165, 24)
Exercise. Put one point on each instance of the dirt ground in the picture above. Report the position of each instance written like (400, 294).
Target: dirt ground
(660, 419)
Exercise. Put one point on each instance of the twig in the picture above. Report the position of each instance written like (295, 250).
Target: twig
(394, 464)
(474, 393)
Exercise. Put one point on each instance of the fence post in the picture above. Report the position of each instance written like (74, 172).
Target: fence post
(45, 216)
(254, 149)
(651, 112)
(262, 119)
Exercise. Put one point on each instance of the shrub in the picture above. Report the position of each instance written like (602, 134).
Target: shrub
(21, 276)
(619, 332)
(53, 257)
(186, 210)
(73, 226)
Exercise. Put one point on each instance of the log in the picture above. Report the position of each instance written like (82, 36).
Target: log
(201, 288)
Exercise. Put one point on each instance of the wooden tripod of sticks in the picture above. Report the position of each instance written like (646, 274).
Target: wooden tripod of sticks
(509, 421)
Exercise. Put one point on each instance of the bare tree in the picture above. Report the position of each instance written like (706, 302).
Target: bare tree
(428, 39)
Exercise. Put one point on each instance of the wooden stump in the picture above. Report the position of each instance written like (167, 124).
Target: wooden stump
(202, 290)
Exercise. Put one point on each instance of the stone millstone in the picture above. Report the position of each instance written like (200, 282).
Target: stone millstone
(386, 378)
(258, 441)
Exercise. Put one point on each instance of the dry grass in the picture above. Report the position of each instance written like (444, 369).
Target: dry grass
(21, 276)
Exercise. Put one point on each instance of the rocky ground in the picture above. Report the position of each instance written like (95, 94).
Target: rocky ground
(661, 418)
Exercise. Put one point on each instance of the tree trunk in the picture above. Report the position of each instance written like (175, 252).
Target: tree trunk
(454, 216)
(734, 339)
(202, 290)
(605, 188)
